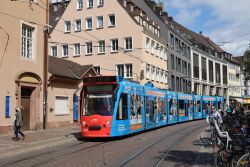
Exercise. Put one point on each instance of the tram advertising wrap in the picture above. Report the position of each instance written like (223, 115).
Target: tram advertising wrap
(112, 106)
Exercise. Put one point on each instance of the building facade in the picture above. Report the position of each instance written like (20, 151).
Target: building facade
(179, 60)
(22, 61)
(208, 71)
(245, 82)
(95, 32)
(234, 81)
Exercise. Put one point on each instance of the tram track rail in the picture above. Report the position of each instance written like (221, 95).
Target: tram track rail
(158, 162)
(55, 151)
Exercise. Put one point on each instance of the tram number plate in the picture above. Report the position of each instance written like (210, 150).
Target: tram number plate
(95, 128)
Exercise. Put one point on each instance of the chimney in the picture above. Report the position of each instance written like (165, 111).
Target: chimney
(161, 5)
(201, 33)
(170, 18)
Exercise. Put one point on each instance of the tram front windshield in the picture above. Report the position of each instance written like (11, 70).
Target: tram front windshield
(98, 104)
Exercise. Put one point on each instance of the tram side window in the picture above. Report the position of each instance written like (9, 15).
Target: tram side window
(122, 113)
(181, 108)
(198, 107)
(135, 104)
(150, 109)
(190, 107)
(219, 105)
(164, 107)
(171, 112)
(172, 106)
(204, 107)
(160, 107)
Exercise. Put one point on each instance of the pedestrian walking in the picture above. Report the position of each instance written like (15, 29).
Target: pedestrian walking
(18, 124)
(216, 115)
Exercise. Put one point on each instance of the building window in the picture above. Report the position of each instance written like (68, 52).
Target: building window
(111, 20)
(166, 77)
(76, 49)
(65, 51)
(217, 73)
(129, 71)
(61, 105)
(79, 4)
(162, 76)
(148, 71)
(125, 70)
(89, 23)
(179, 65)
(27, 42)
(148, 44)
(97, 69)
(172, 61)
(153, 72)
(89, 3)
(100, 3)
(162, 52)
(152, 47)
(100, 22)
(67, 26)
(157, 74)
(157, 48)
(177, 84)
(224, 69)
(114, 45)
(165, 54)
(204, 68)
(101, 47)
(173, 82)
(128, 43)
(189, 69)
(88, 48)
(120, 70)
(196, 65)
(54, 51)
(78, 25)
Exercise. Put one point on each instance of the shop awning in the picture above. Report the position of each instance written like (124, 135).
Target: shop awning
(240, 100)
(247, 101)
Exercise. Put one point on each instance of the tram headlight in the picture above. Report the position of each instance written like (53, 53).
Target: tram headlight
(107, 122)
(83, 123)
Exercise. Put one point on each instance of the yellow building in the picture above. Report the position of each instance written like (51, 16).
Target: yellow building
(234, 81)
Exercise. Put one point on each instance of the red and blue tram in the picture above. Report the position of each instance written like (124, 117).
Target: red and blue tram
(112, 106)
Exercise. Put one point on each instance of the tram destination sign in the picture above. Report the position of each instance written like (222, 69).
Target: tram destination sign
(97, 88)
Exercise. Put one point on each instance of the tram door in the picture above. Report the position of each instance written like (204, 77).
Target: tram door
(205, 109)
(122, 116)
(149, 112)
(197, 109)
(172, 109)
(136, 113)
(190, 108)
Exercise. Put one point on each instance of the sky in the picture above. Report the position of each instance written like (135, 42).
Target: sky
(226, 22)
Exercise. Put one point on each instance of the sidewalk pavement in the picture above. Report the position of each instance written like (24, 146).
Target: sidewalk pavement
(35, 140)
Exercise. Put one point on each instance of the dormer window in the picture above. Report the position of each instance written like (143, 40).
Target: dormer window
(140, 20)
(124, 3)
(131, 8)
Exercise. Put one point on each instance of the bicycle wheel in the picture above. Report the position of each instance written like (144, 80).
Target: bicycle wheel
(213, 138)
(243, 161)
(218, 159)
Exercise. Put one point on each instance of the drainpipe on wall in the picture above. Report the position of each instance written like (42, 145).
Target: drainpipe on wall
(45, 67)
(76, 108)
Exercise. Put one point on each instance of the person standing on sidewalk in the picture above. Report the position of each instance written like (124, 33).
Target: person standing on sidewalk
(18, 124)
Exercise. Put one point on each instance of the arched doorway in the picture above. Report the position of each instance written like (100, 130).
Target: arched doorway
(28, 92)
